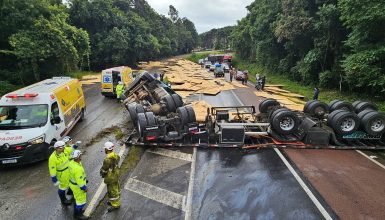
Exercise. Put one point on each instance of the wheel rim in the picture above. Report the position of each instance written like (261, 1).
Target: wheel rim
(287, 123)
(377, 125)
(348, 124)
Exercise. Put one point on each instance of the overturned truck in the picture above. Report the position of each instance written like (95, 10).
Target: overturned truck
(339, 125)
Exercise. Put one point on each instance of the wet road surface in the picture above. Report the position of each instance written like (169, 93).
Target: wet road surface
(27, 192)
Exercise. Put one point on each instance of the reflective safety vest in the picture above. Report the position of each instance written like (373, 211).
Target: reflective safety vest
(77, 174)
(68, 150)
(110, 170)
(57, 163)
(119, 90)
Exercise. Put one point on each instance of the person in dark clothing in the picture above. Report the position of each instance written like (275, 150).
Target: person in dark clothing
(161, 77)
(245, 77)
(263, 82)
(316, 93)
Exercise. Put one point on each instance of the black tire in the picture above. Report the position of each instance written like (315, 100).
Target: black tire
(276, 112)
(191, 114)
(318, 109)
(365, 105)
(151, 121)
(267, 104)
(332, 115)
(142, 123)
(307, 104)
(355, 103)
(170, 104)
(341, 105)
(132, 111)
(332, 103)
(139, 108)
(345, 123)
(182, 112)
(177, 100)
(147, 76)
(285, 122)
(362, 114)
(373, 123)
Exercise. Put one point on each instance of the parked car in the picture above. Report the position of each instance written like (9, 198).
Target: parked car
(212, 67)
(207, 64)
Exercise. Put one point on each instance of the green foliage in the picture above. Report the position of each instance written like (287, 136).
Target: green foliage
(337, 44)
(218, 39)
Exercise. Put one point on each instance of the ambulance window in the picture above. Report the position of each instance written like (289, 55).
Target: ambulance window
(54, 110)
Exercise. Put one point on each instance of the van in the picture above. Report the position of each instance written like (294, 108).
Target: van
(111, 77)
(33, 118)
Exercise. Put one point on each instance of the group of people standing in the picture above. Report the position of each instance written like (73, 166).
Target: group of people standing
(68, 174)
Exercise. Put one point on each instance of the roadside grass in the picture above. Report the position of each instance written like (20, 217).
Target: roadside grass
(116, 130)
(80, 74)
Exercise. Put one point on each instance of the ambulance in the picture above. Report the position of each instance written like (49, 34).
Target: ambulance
(33, 118)
(111, 77)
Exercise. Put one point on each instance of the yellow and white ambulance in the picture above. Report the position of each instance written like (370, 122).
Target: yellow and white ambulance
(33, 118)
(111, 77)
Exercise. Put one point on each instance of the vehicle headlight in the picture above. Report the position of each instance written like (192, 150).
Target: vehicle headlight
(37, 140)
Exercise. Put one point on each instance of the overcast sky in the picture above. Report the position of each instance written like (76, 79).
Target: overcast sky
(206, 14)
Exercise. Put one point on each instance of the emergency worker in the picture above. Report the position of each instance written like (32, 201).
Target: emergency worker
(58, 169)
(68, 148)
(119, 89)
(110, 172)
(78, 184)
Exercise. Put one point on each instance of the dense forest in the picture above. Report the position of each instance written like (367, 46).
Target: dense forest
(44, 38)
(332, 43)
(218, 39)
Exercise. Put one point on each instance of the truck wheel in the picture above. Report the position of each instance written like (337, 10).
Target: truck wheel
(355, 103)
(142, 123)
(151, 121)
(132, 111)
(184, 117)
(332, 115)
(345, 123)
(147, 76)
(373, 123)
(191, 114)
(177, 100)
(365, 105)
(332, 103)
(267, 104)
(318, 109)
(169, 103)
(341, 105)
(307, 104)
(276, 112)
(362, 114)
(285, 122)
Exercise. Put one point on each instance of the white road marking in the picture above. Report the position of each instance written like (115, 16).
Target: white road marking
(305, 188)
(91, 206)
(188, 213)
(371, 159)
(172, 154)
(155, 193)
(237, 98)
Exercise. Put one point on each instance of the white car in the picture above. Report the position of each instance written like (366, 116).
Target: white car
(225, 67)
(212, 67)
(207, 64)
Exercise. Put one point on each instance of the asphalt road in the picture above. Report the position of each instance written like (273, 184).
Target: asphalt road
(27, 192)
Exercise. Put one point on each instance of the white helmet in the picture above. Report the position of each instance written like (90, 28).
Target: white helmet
(59, 144)
(66, 139)
(120, 82)
(109, 145)
(75, 154)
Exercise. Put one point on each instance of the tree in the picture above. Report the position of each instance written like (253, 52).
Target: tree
(173, 13)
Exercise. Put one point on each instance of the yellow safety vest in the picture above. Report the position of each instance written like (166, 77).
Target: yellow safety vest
(77, 174)
(57, 163)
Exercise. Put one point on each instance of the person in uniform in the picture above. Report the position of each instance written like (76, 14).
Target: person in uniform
(111, 173)
(119, 90)
(78, 184)
(58, 168)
